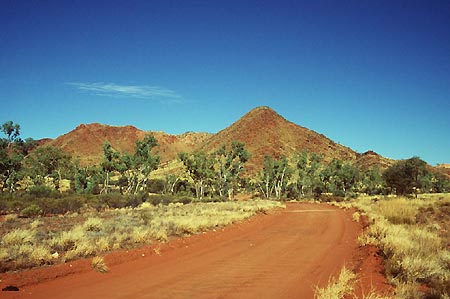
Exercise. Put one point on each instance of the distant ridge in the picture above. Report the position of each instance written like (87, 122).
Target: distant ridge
(263, 131)
(85, 142)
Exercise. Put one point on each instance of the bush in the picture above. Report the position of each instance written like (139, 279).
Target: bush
(40, 191)
(184, 199)
(113, 200)
(155, 186)
(331, 198)
(167, 199)
(31, 211)
(61, 205)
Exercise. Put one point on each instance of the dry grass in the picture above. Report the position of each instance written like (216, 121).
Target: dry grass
(399, 210)
(356, 216)
(98, 263)
(22, 247)
(59, 239)
(415, 254)
(337, 288)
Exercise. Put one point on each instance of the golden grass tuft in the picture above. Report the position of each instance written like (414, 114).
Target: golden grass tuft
(337, 288)
(98, 263)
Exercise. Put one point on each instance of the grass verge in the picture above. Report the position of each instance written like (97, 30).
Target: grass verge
(27, 243)
(412, 235)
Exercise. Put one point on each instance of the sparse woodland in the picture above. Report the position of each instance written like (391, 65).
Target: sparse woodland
(128, 199)
(38, 180)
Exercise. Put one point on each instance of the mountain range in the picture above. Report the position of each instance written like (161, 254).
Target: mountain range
(263, 131)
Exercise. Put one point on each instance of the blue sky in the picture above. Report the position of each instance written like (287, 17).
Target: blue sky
(371, 75)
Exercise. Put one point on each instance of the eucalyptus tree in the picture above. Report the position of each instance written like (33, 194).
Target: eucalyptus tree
(200, 167)
(11, 156)
(142, 162)
(274, 177)
(48, 162)
(110, 163)
(309, 168)
(228, 164)
(341, 178)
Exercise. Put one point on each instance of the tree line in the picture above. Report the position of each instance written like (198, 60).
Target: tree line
(219, 174)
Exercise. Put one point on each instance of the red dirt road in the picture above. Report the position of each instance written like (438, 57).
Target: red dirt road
(282, 255)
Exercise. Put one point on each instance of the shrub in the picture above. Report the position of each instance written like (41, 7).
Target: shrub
(93, 225)
(72, 203)
(155, 186)
(31, 211)
(18, 237)
(113, 200)
(40, 191)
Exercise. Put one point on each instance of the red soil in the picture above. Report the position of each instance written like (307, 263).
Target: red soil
(285, 254)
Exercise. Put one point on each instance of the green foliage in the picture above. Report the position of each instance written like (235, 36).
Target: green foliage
(373, 183)
(55, 206)
(11, 157)
(134, 169)
(156, 186)
(405, 177)
(228, 164)
(137, 167)
(111, 162)
(440, 183)
(86, 180)
(48, 161)
(31, 211)
(143, 161)
(11, 130)
(170, 184)
(309, 169)
(274, 177)
(341, 178)
(200, 168)
(40, 191)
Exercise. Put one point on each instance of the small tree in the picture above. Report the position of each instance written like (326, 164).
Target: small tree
(170, 182)
(309, 169)
(341, 177)
(200, 167)
(440, 183)
(86, 179)
(372, 181)
(48, 161)
(12, 131)
(10, 158)
(110, 163)
(142, 163)
(228, 164)
(405, 177)
(274, 177)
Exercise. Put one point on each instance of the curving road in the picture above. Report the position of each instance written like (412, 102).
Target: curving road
(282, 255)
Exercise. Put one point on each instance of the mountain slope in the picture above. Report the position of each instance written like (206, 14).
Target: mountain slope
(265, 132)
(85, 142)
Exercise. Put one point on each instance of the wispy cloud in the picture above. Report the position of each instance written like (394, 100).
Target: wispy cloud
(128, 91)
